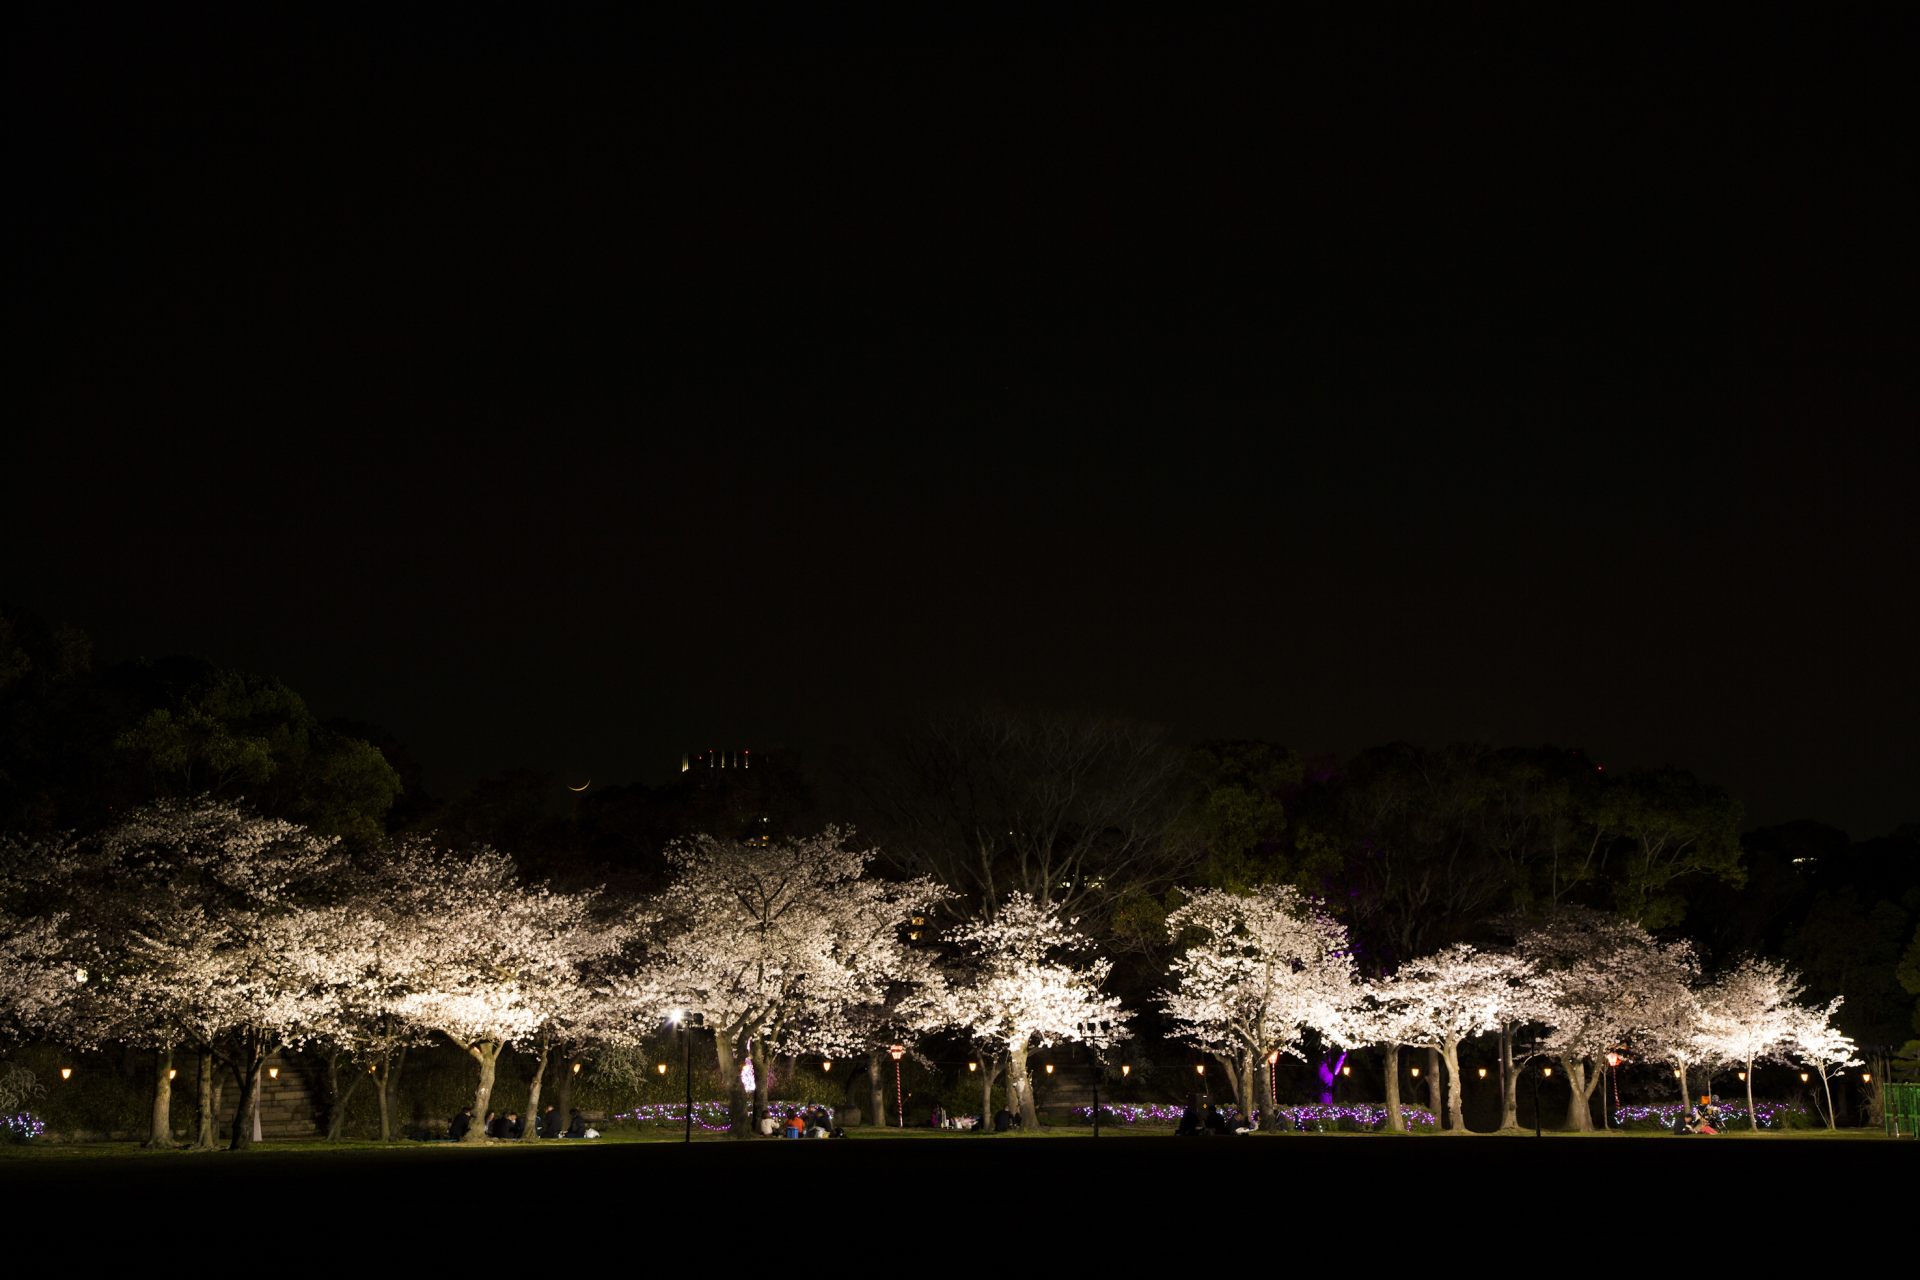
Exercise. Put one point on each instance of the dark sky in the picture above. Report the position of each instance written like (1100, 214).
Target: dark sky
(574, 391)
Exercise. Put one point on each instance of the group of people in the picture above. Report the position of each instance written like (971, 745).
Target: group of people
(813, 1121)
(1199, 1122)
(510, 1125)
(1701, 1122)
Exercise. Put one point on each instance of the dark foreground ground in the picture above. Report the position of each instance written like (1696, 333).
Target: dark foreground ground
(1329, 1195)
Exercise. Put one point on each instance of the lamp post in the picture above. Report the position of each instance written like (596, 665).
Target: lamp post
(1606, 1112)
(685, 1022)
(898, 1052)
(1097, 1033)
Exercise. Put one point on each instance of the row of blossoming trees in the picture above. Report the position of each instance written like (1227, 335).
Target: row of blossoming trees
(200, 932)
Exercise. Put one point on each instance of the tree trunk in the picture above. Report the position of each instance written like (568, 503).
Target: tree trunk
(487, 1054)
(161, 1132)
(1263, 1090)
(1456, 1120)
(987, 1072)
(1021, 1087)
(762, 1082)
(206, 1133)
(337, 1100)
(530, 1119)
(876, 1102)
(1394, 1122)
(1433, 1084)
(563, 1092)
(1509, 1081)
(739, 1121)
(1580, 1095)
(1753, 1112)
(254, 1050)
(1680, 1074)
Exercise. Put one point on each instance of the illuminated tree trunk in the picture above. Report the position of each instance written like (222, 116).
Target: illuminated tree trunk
(1394, 1123)
(386, 1074)
(206, 1132)
(487, 1054)
(1580, 1095)
(989, 1069)
(1509, 1081)
(1753, 1112)
(1021, 1086)
(160, 1133)
(875, 1098)
(1455, 1120)
(1433, 1083)
(739, 1120)
(254, 1050)
(1681, 1075)
(530, 1118)
(762, 1081)
(1263, 1093)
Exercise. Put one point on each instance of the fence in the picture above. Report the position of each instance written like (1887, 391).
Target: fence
(1901, 1114)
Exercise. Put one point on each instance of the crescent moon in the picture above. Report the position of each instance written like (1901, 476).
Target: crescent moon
(583, 786)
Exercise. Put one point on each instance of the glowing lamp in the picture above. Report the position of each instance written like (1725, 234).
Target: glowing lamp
(897, 1052)
(661, 1068)
(973, 1066)
(1273, 1056)
(576, 1068)
(1200, 1069)
(1346, 1071)
(1743, 1075)
(1416, 1073)
(273, 1073)
(1483, 1073)
(1866, 1077)
(66, 1073)
(826, 1064)
(1546, 1071)
(1126, 1069)
(1049, 1068)
(1613, 1059)
(172, 1072)
(1804, 1077)
(1676, 1073)
(676, 1016)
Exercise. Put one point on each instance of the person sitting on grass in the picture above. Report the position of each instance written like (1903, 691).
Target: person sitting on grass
(548, 1126)
(461, 1123)
(514, 1127)
(576, 1124)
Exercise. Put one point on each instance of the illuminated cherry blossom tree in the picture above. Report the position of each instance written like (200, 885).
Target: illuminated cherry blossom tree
(491, 961)
(1259, 969)
(196, 908)
(1604, 980)
(1820, 1046)
(1439, 1000)
(1748, 1015)
(775, 945)
(1021, 983)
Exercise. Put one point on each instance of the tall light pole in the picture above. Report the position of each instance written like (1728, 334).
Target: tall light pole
(1098, 1035)
(897, 1052)
(685, 1022)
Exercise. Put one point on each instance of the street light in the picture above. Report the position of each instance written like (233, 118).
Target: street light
(1098, 1035)
(684, 1022)
(898, 1052)
(1606, 1112)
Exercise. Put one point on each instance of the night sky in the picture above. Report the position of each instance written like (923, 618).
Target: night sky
(571, 392)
